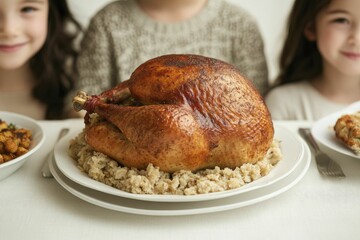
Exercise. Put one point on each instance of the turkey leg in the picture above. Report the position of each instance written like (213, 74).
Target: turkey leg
(166, 136)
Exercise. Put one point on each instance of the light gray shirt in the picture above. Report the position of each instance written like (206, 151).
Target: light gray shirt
(121, 36)
(299, 101)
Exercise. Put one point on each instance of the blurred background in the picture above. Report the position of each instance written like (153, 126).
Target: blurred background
(270, 14)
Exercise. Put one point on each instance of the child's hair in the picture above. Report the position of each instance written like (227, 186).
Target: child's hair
(300, 58)
(53, 66)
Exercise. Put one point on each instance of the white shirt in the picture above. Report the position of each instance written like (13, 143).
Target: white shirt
(299, 101)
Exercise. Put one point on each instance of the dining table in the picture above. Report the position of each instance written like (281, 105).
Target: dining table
(314, 207)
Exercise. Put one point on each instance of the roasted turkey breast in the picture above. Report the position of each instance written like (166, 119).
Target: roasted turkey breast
(180, 112)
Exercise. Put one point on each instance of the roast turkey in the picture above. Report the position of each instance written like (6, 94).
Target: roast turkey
(180, 112)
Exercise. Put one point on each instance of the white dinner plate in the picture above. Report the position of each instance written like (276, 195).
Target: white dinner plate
(133, 206)
(324, 133)
(291, 147)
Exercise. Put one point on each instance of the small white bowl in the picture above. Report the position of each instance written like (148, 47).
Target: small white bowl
(38, 139)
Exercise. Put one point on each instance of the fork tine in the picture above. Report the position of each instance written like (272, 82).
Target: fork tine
(325, 165)
(331, 169)
(334, 171)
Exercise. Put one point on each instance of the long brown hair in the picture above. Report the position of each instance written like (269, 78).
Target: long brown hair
(300, 58)
(53, 66)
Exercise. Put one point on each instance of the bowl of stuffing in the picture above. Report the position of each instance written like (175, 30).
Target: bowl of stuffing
(20, 138)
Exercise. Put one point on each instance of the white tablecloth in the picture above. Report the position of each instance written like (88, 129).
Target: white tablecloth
(32, 207)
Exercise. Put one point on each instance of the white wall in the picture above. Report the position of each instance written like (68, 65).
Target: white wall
(271, 16)
(84, 9)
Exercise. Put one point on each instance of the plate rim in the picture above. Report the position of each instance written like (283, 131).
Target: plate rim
(292, 179)
(96, 185)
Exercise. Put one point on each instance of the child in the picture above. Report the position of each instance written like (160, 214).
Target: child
(320, 61)
(125, 34)
(36, 51)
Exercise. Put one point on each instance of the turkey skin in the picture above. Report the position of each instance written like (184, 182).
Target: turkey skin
(180, 112)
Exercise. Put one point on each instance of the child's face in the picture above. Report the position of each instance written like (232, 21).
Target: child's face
(23, 30)
(337, 32)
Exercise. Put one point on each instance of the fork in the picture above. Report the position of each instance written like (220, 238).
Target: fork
(325, 165)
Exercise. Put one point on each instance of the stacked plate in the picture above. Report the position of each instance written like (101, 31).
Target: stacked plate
(289, 171)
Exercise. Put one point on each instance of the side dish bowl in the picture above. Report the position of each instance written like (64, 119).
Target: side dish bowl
(38, 138)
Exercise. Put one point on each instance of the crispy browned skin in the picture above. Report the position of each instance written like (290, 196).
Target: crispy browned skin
(183, 112)
(347, 130)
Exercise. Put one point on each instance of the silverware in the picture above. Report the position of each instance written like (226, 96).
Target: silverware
(45, 170)
(325, 165)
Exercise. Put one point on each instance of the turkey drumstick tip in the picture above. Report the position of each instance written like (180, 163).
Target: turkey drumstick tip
(79, 101)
